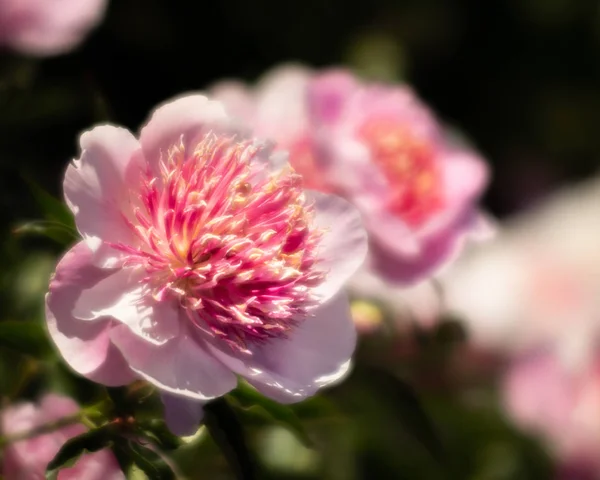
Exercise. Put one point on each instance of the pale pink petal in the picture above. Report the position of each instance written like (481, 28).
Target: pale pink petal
(393, 235)
(281, 109)
(185, 118)
(465, 177)
(328, 94)
(399, 104)
(343, 247)
(437, 251)
(96, 187)
(183, 415)
(236, 98)
(316, 354)
(48, 27)
(180, 366)
(27, 459)
(105, 255)
(349, 167)
(540, 394)
(123, 297)
(85, 346)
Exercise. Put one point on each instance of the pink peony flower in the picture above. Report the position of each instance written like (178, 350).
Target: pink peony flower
(47, 27)
(28, 459)
(382, 149)
(559, 404)
(537, 283)
(202, 258)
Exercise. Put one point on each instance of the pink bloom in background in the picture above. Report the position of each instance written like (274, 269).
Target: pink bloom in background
(381, 148)
(202, 258)
(28, 459)
(561, 405)
(47, 27)
(538, 283)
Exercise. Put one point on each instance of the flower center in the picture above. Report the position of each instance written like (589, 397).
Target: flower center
(233, 243)
(409, 164)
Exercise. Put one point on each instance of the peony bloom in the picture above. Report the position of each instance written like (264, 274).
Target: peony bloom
(47, 27)
(202, 258)
(538, 283)
(28, 459)
(559, 404)
(382, 149)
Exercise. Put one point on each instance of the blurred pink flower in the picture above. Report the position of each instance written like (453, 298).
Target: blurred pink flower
(538, 282)
(381, 148)
(27, 459)
(47, 27)
(559, 404)
(202, 258)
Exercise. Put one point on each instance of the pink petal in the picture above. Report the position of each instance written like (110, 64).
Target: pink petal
(436, 251)
(344, 244)
(28, 458)
(180, 366)
(183, 415)
(236, 98)
(123, 297)
(540, 394)
(55, 406)
(399, 104)
(392, 234)
(188, 118)
(349, 166)
(43, 27)
(96, 184)
(465, 177)
(85, 346)
(315, 355)
(281, 110)
(328, 94)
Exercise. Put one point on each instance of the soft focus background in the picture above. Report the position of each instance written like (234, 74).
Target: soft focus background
(507, 378)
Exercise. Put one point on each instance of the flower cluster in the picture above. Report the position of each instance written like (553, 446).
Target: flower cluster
(209, 252)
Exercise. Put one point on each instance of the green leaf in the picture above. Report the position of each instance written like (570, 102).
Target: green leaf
(395, 395)
(157, 431)
(60, 233)
(227, 432)
(25, 337)
(88, 442)
(52, 208)
(146, 459)
(141, 401)
(252, 403)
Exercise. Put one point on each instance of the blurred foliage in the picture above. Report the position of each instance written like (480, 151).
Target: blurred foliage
(521, 79)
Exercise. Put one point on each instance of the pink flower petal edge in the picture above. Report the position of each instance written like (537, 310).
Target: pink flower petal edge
(48, 27)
